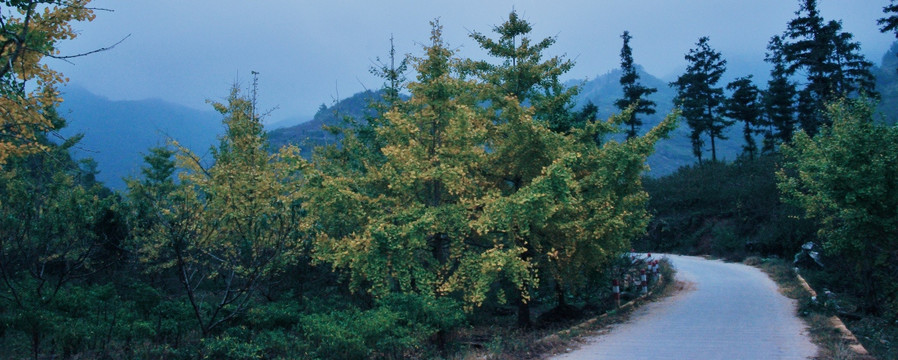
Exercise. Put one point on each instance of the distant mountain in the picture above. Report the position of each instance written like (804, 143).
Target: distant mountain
(118, 133)
(603, 90)
(310, 134)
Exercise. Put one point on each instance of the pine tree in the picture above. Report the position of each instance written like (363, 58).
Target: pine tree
(701, 102)
(744, 105)
(827, 56)
(633, 90)
(779, 109)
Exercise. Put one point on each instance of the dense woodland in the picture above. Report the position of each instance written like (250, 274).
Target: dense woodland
(472, 193)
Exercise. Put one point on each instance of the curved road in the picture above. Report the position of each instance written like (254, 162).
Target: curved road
(728, 311)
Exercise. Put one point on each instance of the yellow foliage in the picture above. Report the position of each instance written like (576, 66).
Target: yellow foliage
(25, 42)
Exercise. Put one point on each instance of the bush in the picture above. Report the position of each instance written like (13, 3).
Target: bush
(400, 324)
(845, 178)
(728, 210)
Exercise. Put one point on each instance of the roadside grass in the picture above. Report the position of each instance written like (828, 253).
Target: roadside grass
(502, 341)
(829, 340)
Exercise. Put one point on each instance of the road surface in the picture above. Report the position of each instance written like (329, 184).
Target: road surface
(728, 311)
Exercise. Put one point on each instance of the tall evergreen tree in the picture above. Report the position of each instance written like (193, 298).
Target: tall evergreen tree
(699, 98)
(404, 225)
(827, 56)
(744, 105)
(890, 22)
(779, 109)
(633, 90)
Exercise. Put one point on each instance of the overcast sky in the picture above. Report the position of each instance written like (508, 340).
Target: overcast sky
(311, 52)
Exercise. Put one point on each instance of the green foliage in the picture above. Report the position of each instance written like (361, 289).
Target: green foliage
(845, 179)
(633, 90)
(779, 108)
(401, 221)
(701, 102)
(483, 186)
(225, 229)
(727, 210)
(827, 56)
(744, 105)
(399, 324)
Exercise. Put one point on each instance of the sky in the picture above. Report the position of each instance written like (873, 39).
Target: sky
(309, 53)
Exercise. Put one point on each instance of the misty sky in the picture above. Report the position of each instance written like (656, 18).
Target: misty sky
(312, 52)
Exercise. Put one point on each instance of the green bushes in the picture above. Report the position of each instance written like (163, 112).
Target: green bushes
(846, 180)
(398, 324)
(729, 210)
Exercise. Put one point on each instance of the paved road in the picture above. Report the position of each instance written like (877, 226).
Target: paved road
(729, 311)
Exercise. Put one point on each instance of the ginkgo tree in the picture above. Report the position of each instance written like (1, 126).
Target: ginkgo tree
(403, 224)
(230, 226)
(29, 33)
(474, 195)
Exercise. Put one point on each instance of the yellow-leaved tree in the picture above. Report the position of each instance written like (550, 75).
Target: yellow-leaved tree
(230, 226)
(29, 33)
(401, 219)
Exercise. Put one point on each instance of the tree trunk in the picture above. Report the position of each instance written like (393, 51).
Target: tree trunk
(523, 312)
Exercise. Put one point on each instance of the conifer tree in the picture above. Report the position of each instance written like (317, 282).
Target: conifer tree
(827, 56)
(699, 98)
(744, 105)
(525, 138)
(634, 92)
(890, 22)
(779, 109)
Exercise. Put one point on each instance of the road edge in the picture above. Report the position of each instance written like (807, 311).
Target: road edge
(837, 323)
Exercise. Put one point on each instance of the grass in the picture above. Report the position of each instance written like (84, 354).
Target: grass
(830, 342)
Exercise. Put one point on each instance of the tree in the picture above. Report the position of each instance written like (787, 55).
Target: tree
(701, 102)
(229, 227)
(845, 178)
(405, 225)
(826, 56)
(523, 74)
(54, 230)
(890, 22)
(29, 33)
(633, 90)
(532, 108)
(779, 109)
(744, 105)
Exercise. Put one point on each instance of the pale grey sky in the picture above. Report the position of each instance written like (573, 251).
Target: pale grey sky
(311, 52)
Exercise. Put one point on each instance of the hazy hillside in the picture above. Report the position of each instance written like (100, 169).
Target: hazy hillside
(309, 134)
(118, 133)
(670, 153)
(603, 90)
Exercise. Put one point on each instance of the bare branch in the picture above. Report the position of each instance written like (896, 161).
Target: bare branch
(66, 57)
